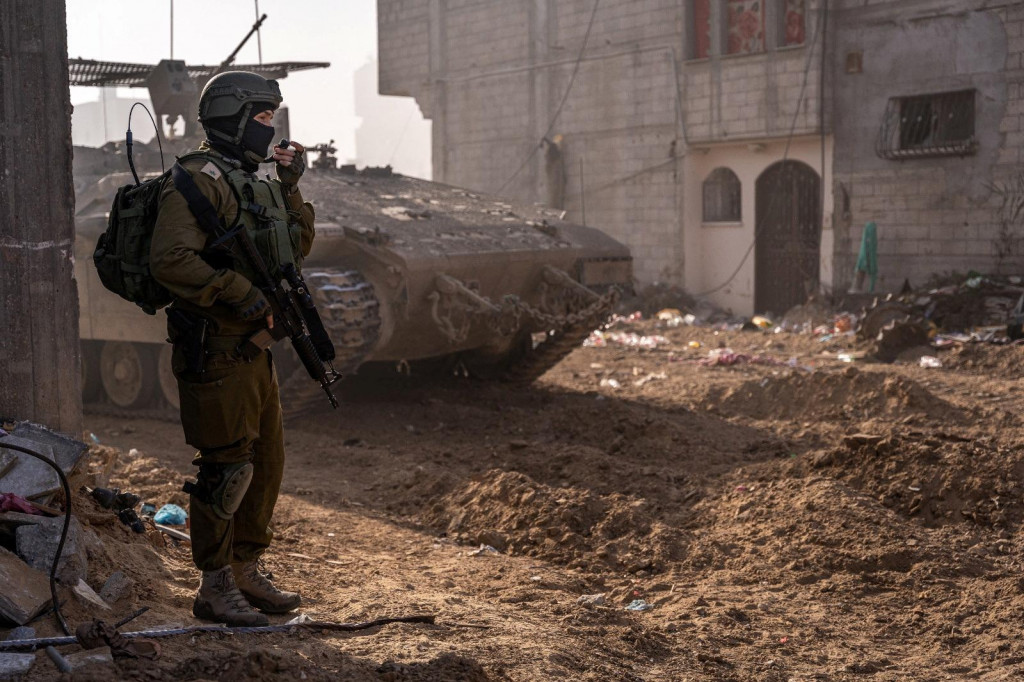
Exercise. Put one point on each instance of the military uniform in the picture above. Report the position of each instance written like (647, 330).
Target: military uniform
(231, 412)
(230, 407)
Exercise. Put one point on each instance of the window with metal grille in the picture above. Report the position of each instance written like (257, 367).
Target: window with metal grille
(722, 197)
(941, 124)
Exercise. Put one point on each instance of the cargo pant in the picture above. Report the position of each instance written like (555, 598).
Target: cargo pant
(231, 413)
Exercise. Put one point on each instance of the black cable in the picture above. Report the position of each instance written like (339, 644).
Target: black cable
(128, 140)
(785, 157)
(63, 533)
(565, 98)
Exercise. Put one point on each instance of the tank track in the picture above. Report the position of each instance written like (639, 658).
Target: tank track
(350, 312)
(534, 364)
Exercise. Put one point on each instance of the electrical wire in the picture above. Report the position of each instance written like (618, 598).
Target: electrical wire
(561, 105)
(63, 533)
(759, 229)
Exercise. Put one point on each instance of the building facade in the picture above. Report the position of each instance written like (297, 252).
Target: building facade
(737, 146)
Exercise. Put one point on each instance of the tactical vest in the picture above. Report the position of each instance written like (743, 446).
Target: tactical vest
(263, 211)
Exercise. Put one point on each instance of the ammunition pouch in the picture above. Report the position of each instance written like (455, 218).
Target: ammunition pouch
(188, 332)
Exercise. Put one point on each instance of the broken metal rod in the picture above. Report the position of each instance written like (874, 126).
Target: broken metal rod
(40, 642)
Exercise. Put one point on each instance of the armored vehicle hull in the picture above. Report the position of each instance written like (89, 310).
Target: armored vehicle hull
(405, 272)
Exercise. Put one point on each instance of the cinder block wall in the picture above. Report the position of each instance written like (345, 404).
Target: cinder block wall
(494, 77)
(934, 215)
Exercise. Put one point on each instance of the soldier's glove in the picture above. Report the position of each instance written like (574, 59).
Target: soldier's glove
(289, 175)
(253, 307)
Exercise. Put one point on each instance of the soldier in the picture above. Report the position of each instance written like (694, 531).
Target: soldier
(230, 406)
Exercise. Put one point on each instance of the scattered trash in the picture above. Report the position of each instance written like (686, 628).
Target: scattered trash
(727, 357)
(602, 339)
(611, 383)
(94, 439)
(113, 498)
(761, 322)
(482, 550)
(148, 509)
(649, 378)
(9, 502)
(639, 605)
(171, 515)
(930, 362)
(693, 344)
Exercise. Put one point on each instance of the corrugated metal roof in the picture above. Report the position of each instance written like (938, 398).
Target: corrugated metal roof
(92, 72)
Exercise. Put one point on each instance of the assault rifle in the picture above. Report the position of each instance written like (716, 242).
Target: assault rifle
(293, 308)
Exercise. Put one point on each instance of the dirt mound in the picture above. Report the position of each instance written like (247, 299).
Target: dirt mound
(1006, 362)
(936, 477)
(573, 526)
(850, 394)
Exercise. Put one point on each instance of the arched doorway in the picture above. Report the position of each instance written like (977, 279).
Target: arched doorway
(787, 252)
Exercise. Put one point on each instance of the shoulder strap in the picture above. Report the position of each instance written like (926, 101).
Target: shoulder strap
(200, 206)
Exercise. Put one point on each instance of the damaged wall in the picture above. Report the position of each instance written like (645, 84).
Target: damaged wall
(39, 353)
(935, 215)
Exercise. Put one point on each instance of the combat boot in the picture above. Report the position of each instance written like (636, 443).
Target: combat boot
(260, 592)
(219, 600)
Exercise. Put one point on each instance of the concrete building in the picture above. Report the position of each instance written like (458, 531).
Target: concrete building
(93, 124)
(392, 131)
(737, 146)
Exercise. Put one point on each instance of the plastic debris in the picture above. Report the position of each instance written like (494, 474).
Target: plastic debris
(930, 362)
(727, 357)
(639, 605)
(761, 322)
(171, 515)
(611, 383)
(483, 550)
(602, 339)
(10, 502)
(649, 378)
(694, 344)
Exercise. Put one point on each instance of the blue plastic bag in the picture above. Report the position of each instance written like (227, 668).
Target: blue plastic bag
(171, 515)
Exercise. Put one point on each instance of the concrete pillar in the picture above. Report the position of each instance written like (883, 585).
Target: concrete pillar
(39, 357)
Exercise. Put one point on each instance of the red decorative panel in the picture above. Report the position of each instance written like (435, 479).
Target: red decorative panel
(701, 28)
(795, 23)
(746, 26)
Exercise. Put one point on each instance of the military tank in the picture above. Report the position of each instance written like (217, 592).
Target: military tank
(408, 274)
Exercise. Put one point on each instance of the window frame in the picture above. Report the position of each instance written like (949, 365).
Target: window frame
(726, 184)
(929, 125)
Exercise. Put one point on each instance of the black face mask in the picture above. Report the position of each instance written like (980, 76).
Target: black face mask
(256, 139)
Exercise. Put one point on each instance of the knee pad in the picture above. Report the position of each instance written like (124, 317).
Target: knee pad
(223, 486)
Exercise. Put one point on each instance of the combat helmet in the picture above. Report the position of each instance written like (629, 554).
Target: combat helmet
(232, 94)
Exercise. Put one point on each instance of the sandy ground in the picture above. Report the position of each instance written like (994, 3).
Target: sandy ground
(807, 520)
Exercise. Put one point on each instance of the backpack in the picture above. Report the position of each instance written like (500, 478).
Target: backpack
(122, 251)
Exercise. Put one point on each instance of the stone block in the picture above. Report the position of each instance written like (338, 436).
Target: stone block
(24, 592)
(21, 632)
(117, 586)
(84, 592)
(89, 657)
(37, 545)
(67, 451)
(29, 478)
(15, 665)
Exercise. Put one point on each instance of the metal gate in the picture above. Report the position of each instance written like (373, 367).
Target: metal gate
(787, 253)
